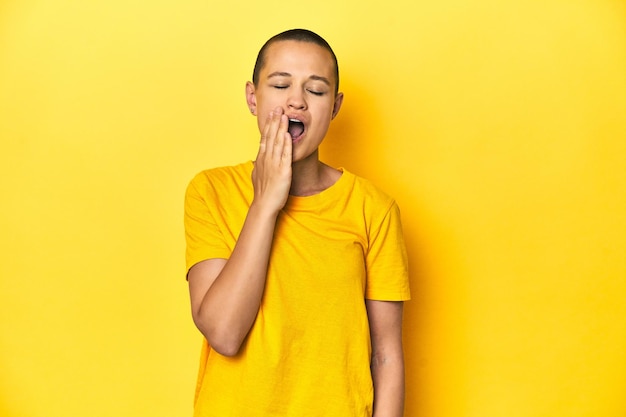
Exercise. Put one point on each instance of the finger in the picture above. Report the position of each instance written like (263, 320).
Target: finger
(280, 141)
(264, 135)
(287, 149)
(272, 127)
(263, 145)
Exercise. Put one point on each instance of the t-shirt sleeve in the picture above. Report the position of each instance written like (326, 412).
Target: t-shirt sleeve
(386, 260)
(203, 236)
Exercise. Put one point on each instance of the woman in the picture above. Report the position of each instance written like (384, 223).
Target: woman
(297, 271)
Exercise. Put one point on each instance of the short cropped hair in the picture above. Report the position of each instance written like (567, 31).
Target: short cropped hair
(299, 35)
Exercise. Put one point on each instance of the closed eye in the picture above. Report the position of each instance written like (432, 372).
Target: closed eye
(317, 93)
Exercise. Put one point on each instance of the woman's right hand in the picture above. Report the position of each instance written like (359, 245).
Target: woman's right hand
(271, 176)
(226, 293)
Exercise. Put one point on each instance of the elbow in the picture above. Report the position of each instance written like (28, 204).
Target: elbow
(225, 347)
(224, 341)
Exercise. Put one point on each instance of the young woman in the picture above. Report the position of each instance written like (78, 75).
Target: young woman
(297, 271)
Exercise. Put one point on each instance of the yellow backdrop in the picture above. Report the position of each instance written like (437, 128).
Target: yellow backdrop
(499, 126)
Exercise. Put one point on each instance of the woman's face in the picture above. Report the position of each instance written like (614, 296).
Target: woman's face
(299, 78)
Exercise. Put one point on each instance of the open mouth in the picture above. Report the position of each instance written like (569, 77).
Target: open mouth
(295, 129)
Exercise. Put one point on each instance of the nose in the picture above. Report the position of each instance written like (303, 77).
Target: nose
(296, 100)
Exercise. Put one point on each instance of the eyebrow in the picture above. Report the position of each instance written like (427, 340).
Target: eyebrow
(312, 77)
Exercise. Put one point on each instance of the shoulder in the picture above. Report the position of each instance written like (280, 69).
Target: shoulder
(222, 177)
(369, 193)
(225, 173)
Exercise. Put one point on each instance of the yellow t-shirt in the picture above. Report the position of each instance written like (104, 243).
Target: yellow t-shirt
(308, 352)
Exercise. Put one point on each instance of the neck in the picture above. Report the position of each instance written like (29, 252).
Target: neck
(312, 177)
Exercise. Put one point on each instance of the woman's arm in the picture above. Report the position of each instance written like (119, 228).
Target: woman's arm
(385, 319)
(226, 294)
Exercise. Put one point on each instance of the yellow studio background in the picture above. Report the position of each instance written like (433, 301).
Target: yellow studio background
(499, 126)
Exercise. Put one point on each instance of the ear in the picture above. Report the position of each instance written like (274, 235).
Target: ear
(337, 104)
(251, 97)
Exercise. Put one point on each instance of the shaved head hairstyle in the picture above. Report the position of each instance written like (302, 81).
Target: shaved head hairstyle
(298, 35)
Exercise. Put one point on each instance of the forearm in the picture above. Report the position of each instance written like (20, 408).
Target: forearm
(226, 297)
(230, 305)
(388, 378)
(387, 363)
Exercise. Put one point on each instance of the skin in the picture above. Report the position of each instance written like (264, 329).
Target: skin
(297, 81)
